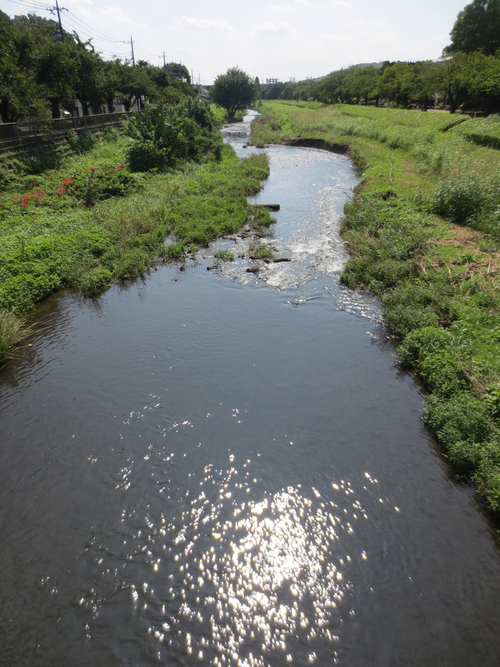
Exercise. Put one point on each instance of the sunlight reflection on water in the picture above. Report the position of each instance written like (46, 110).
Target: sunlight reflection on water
(232, 575)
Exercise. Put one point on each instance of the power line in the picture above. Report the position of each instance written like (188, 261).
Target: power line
(99, 34)
(146, 50)
(84, 29)
(32, 4)
(86, 35)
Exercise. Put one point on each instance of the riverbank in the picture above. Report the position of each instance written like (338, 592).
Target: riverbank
(423, 233)
(91, 222)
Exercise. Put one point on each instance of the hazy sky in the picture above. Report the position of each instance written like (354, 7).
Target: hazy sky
(266, 38)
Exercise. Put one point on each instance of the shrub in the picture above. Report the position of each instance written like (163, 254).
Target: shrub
(37, 162)
(92, 185)
(12, 331)
(422, 342)
(259, 250)
(96, 281)
(460, 199)
(80, 142)
(166, 134)
(224, 255)
(110, 134)
(462, 424)
(175, 251)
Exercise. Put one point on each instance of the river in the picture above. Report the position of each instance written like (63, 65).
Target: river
(228, 468)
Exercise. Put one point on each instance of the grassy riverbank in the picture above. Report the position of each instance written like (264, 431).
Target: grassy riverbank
(423, 232)
(91, 221)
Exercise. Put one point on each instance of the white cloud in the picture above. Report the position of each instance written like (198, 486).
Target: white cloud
(338, 3)
(275, 29)
(290, 7)
(116, 15)
(203, 24)
(76, 4)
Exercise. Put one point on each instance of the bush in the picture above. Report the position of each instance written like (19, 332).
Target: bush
(97, 281)
(224, 255)
(460, 199)
(80, 142)
(167, 134)
(422, 342)
(92, 185)
(175, 251)
(37, 162)
(462, 424)
(12, 331)
(110, 134)
(145, 155)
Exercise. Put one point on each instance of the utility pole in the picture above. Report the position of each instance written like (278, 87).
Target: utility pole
(132, 47)
(164, 61)
(59, 10)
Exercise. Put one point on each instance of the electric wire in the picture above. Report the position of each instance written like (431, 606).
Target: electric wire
(31, 4)
(81, 32)
(85, 30)
(101, 35)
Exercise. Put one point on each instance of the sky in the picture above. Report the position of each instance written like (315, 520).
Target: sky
(279, 39)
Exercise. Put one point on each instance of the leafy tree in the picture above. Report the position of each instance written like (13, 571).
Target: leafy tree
(395, 84)
(477, 28)
(361, 82)
(111, 82)
(454, 80)
(134, 83)
(179, 71)
(234, 91)
(90, 78)
(470, 80)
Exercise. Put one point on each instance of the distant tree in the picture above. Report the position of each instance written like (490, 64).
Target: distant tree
(180, 72)
(395, 84)
(477, 28)
(233, 91)
(361, 82)
(134, 84)
(90, 78)
(272, 91)
(454, 79)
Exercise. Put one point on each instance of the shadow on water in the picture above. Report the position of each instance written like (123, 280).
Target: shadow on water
(214, 467)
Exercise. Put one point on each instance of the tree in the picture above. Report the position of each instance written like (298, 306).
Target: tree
(134, 84)
(454, 79)
(233, 91)
(395, 84)
(477, 28)
(179, 71)
(90, 79)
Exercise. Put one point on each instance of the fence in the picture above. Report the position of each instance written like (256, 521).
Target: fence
(15, 136)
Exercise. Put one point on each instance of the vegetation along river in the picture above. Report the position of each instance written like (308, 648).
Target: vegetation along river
(228, 468)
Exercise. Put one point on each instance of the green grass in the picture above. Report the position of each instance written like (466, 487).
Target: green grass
(92, 222)
(12, 332)
(259, 250)
(423, 233)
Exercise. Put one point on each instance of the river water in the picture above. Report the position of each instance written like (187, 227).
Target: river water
(228, 468)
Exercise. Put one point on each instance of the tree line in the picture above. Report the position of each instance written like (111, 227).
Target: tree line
(41, 75)
(466, 77)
